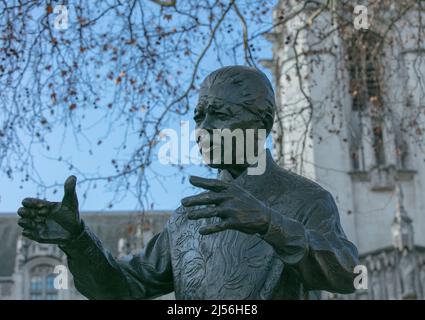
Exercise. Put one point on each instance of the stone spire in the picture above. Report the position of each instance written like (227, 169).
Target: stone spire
(402, 228)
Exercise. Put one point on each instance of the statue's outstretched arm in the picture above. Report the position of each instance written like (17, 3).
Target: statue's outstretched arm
(97, 274)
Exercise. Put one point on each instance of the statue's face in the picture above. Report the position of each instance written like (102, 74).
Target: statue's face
(213, 112)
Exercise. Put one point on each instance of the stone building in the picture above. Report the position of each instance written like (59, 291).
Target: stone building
(349, 119)
(28, 269)
(326, 88)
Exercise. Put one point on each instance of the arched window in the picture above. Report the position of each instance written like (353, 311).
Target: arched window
(365, 88)
(42, 283)
(36, 287)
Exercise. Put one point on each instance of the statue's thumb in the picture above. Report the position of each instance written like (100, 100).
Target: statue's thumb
(70, 196)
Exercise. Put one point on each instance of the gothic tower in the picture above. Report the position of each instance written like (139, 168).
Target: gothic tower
(351, 112)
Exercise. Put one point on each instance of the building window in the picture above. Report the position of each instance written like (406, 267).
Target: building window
(365, 90)
(378, 143)
(42, 281)
(36, 296)
(356, 147)
(363, 66)
(50, 280)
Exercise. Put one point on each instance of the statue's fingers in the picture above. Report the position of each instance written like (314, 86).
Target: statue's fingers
(209, 184)
(26, 223)
(39, 219)
(215, 228)
(33, 203)
(27, 233)
(45, 211)
(204, 199)
(36, 215)
(25, 212)
(30, 234)
(204, 213)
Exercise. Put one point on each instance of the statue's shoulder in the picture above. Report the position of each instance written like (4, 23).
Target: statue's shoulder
(294, 182)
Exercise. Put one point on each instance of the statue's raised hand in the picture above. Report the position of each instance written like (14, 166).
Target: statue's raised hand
(237, 208)
(52, 222)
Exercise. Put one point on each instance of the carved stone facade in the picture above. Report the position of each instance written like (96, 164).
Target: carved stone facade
(324, 131)
(391, 275)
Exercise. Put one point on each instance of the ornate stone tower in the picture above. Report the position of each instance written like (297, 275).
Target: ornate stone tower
(351, 118)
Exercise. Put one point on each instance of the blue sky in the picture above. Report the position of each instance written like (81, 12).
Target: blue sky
(165, 191)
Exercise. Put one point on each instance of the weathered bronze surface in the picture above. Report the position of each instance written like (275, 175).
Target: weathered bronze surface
(271, 236)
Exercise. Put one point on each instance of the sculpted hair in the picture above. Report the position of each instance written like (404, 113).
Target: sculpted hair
(244, 86)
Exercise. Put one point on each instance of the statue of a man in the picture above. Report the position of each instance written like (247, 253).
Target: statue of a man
(274, 235)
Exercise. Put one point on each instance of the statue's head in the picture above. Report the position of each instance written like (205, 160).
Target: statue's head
(235, 97)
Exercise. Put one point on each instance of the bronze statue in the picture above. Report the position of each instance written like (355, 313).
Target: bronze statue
(271, 236)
